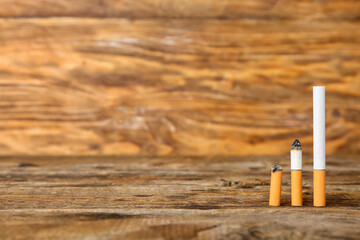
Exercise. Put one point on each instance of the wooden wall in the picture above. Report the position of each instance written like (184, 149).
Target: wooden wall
(189, 77)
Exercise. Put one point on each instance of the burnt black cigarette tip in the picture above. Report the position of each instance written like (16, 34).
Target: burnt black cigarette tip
(296, 145)
(276, 168)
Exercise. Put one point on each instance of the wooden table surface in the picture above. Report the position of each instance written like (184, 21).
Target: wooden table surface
(171, 198)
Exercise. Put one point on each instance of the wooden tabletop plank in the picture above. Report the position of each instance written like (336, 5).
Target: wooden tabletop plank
(171, 198)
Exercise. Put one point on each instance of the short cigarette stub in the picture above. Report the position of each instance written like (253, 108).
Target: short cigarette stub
(275, 186)
(319, 188)
(296, 174)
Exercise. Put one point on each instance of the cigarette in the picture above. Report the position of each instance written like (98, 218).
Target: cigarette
(319, 145)
(296, 174)
(275, 186)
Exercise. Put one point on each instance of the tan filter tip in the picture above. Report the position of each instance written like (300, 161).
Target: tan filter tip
(296, 188)
(275, 186)
(319, 188)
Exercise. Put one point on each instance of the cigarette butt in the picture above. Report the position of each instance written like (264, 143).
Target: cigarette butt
(296, 188)
(296, 174)
(275, 186)
(319, 188)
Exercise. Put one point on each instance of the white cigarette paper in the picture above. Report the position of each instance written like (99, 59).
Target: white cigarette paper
(319, 127)
(296, 159)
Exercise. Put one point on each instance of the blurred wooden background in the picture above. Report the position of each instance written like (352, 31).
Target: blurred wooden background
(171, 77)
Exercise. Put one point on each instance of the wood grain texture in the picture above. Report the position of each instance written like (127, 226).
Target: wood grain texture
(224, 9)
(171, 198)
(165, 77)
(181, 87)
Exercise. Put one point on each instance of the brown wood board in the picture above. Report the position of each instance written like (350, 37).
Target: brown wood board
(89, 86)
(171, 198)
(226, 9)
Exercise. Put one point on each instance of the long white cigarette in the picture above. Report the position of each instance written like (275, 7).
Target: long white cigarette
(319, 127)
(319, 145)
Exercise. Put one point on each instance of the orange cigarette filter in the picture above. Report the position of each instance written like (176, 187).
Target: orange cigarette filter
(296, 188)
(319, 188)
(275, 185)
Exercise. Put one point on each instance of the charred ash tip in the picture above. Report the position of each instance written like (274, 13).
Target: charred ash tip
(296, 145)
(276, 168)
